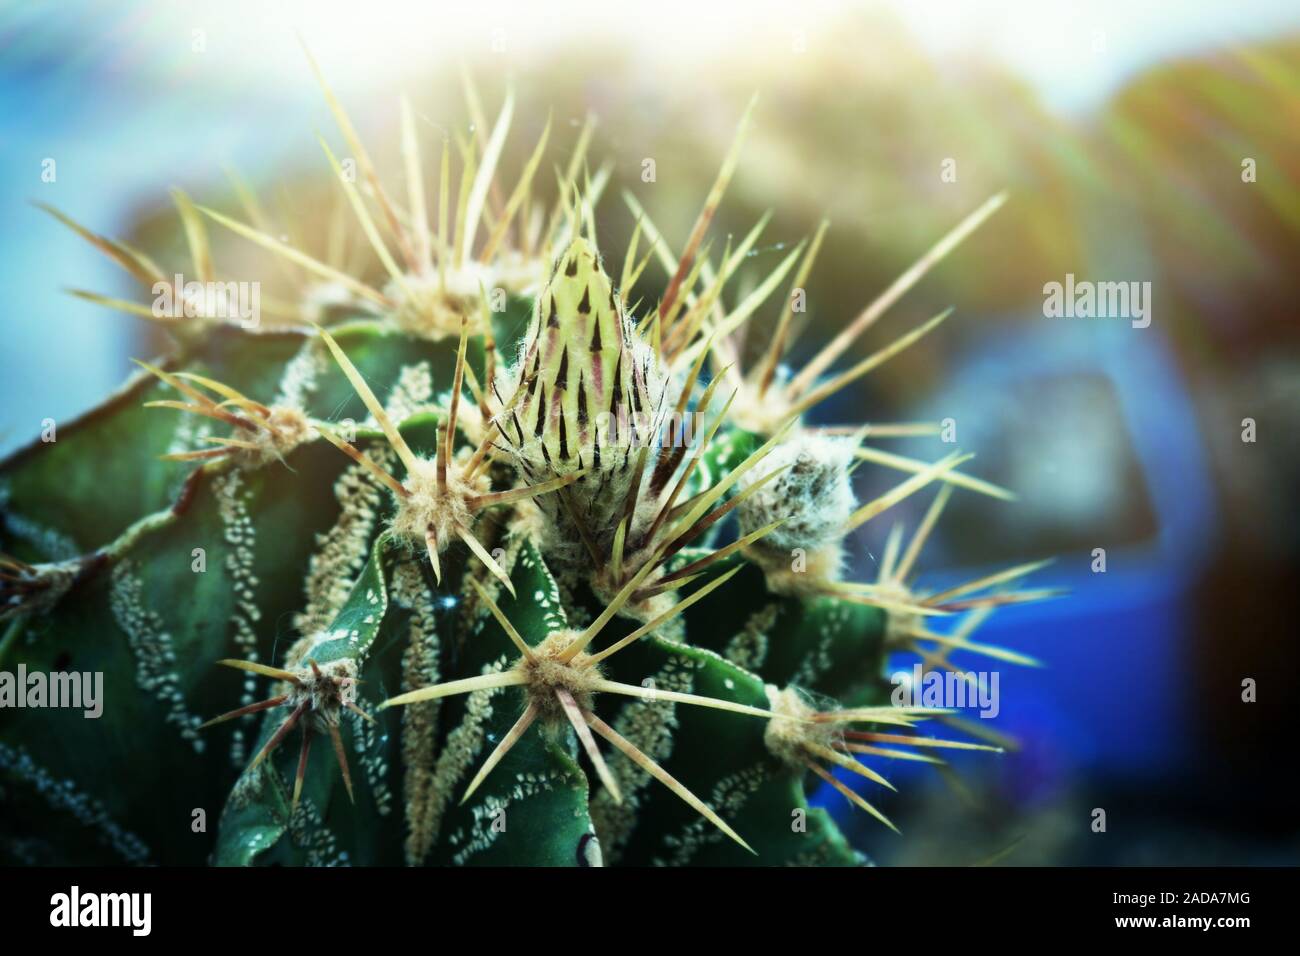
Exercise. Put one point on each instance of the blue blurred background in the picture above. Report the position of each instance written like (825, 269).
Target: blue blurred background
(1119, 133)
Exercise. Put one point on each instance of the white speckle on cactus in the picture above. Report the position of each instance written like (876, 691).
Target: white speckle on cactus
(156, 668)
(462, 748)
(420, 666)
(749, 648)
(21, 771)
(728, 796)
(411, 395)
(307, 829)
(240, 534)
(343, 550)
(370, 756)
(301, 375)
(649, 725)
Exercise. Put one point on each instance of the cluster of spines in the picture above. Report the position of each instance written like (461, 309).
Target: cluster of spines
(315, 699)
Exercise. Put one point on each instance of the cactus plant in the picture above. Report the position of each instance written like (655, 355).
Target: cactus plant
(558, 579)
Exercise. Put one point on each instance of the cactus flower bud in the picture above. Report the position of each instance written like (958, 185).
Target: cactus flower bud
(591, 394)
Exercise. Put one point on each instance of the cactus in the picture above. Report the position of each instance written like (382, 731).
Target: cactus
(559, 580)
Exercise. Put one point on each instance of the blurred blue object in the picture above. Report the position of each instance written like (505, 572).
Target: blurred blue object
(1116, 692)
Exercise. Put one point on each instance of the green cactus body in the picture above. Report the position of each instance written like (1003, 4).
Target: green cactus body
(515, 621)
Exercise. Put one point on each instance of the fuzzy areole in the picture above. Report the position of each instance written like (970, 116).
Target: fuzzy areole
(282, 431)
(431, 304)
(547, 674)
(760, 412)
(326, 689)
(444, 509)
(900, 623)
(799, 572)
(813, 494)
(35, 588)
(788, 740)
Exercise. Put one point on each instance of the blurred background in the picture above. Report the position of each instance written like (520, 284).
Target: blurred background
(1121, 132)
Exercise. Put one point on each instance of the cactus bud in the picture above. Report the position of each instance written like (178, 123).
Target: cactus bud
(591, 394)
